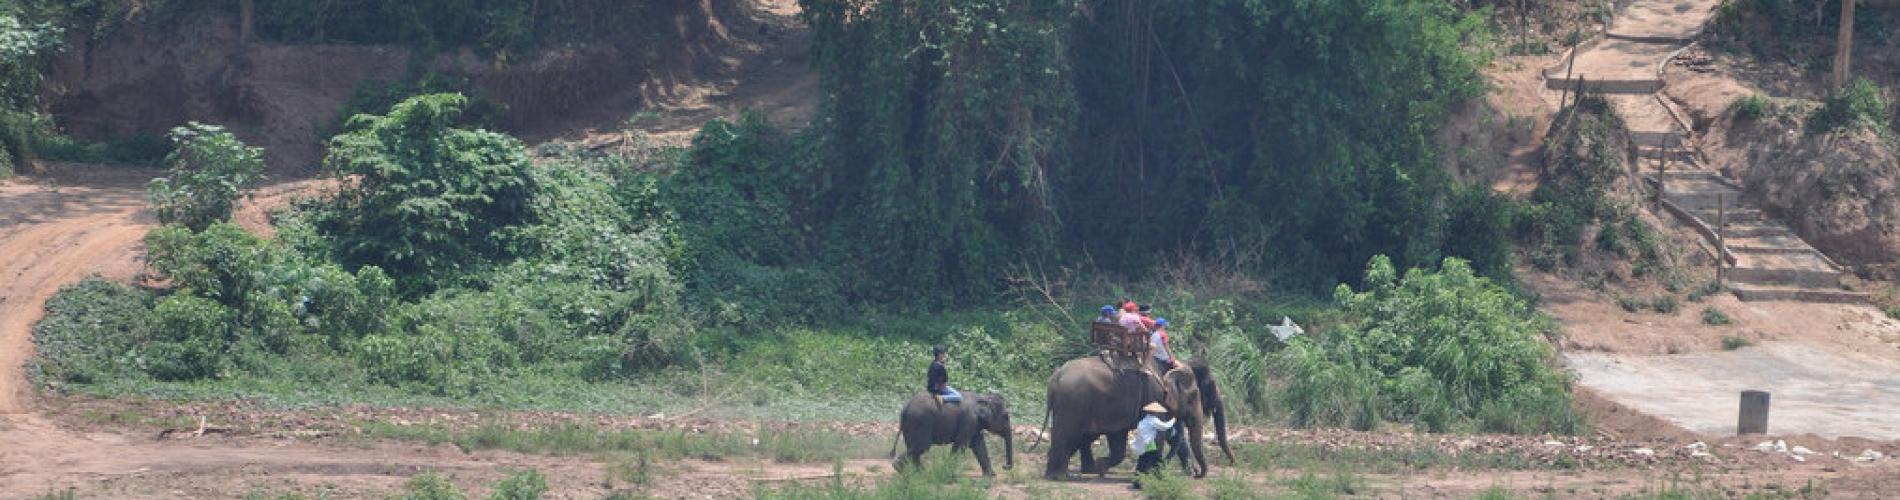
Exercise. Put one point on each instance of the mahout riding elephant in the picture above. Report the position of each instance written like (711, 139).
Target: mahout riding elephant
(1194, 398)
(1089, 399)
(925, 422)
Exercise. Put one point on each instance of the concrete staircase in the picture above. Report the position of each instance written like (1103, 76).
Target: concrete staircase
(1765, 259)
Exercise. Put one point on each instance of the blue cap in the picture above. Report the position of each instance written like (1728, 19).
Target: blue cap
(1108, 310)
(1161, 321)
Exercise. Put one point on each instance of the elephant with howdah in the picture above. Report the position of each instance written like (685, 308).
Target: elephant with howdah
(926, 422)
(1089, 398)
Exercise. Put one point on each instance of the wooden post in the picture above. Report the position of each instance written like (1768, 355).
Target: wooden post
(1721, 239)
(1844, 45)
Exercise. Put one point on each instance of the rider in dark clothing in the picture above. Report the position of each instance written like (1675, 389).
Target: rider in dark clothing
(937, 381)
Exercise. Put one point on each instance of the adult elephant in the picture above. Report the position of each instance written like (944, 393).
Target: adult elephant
(925, 422)
(1094, 397)
(1194, 399)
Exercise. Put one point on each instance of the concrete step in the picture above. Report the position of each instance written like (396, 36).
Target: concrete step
(1658, 139)
(1607, 86)
(1758, 231)
(1676, 156)
(1756, 293)
(1802, 278)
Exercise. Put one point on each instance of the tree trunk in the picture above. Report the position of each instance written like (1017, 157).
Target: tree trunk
(1844, 46)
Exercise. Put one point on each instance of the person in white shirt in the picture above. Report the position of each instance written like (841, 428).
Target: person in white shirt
(1154, 425)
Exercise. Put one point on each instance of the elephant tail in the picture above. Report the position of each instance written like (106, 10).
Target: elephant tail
(1045, 428)
(899, 437)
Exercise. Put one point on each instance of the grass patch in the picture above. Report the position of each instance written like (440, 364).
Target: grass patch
(1715, 317)
(1161, 484)
(1341, 483)
(1859, 105)
(1731, 342)
(1422, 455)
(1752, 106)
(797, 446)
(430, 486)
(526, 484)
(941, 476)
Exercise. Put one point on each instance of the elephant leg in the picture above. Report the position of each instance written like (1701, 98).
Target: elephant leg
(1058, 465)
(982, 453)
(1117, 450)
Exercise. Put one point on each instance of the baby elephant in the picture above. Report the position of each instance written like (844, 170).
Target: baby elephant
(926, 422)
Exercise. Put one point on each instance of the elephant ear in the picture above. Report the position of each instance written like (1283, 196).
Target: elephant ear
(983, 411)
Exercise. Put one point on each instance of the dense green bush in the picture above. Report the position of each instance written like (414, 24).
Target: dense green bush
(521, 485)
(1751, 107)
(1436, 348)
(423, 200)
(23, 46)
(208, 169)
(1859, 105)
(92, 332)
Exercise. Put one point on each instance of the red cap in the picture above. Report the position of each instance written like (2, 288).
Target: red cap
(1129, 306)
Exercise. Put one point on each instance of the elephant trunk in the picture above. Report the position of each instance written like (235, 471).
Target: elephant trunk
(1009, 450)
(1220, 433)
(1197, 445)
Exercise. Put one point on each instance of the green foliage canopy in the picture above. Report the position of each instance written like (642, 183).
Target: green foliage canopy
(1436, 348)
(209, 167)
(422, 198)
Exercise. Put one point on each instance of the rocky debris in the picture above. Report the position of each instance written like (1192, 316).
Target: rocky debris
(1868, 457)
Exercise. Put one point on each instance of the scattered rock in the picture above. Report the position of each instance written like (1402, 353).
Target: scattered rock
(1643, 452)
(1696, 446)
(1584, 448)
(1554, 443)
(1869, 456)
(1802, 450)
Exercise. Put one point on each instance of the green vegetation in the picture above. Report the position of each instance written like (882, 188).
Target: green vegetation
(209, 168)
(1752, 107)
(1583, 188)
(1438, 348)
(1859, 105)
(1164, 484)
(430, 486)
(966, 153)
(525, 484)
(940, 477)
(1715, 317)
(1792, 29)
(1730, 342)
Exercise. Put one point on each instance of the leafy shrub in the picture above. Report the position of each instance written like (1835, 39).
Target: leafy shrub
(423, 200)
(431, 359)
(1583, 167)
(92, 332)
(1163, 484)
(521, 485)
(193, 342)
(1859, 105)
(208, 170)
(378, 97)
(1751, 107)
(749, 248)
(134, 149)
(1433, 348)
(1715, 317)
(1665, 304)
(1731, 342)
(430, 486)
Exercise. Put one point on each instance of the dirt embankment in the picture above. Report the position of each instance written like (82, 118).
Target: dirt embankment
(149, 76)
(1839, 191)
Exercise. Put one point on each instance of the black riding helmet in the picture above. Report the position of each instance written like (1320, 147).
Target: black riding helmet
(936, 351)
